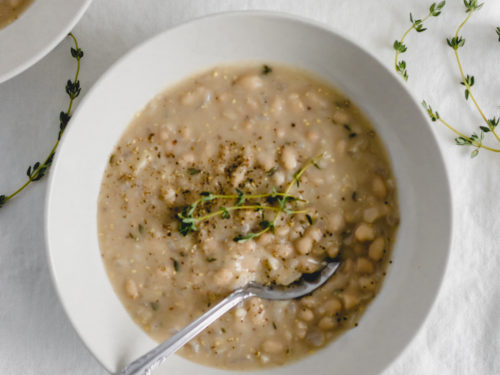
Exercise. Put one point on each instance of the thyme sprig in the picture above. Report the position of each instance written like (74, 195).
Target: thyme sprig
(498, 33)
(476, 139)
(277, 202)
(38, 170)
(457, 42)
(417, 25)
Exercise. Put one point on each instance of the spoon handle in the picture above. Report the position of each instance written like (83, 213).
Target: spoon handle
(149, 361)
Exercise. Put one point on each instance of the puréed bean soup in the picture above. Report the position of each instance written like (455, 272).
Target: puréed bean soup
(246, 173)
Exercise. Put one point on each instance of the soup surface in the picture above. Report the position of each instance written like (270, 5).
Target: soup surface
(247, 173)
(11, 9)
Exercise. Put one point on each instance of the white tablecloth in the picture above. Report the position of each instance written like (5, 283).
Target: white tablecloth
(462, 333)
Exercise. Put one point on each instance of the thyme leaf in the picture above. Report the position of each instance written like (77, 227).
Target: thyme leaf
(456, 42)
(433, 115)
(241, 197)
(272, 171)
(176, 265)
(468, 83)
(309, 219)
(154, 306)
(472, 5)
(244, 238)
(266, 69)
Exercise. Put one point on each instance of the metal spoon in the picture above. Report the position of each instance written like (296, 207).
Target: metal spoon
(303, 286)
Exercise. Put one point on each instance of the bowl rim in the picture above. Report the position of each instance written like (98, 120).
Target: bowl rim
(447, 204)
(38, 52)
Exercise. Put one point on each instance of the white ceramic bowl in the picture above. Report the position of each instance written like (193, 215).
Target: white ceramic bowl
(37, 31)
(421, 249)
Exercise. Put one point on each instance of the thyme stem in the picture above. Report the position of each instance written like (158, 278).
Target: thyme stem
(39, 170)
(258, 196)
(398, 52)
(473, 142)
(417, 25)
(249, 207)
(466, 81)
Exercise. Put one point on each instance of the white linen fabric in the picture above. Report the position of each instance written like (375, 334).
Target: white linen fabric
(462, 332)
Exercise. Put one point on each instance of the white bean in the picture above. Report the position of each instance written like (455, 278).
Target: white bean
(304, 245)
(265, 238)
(379, 188)
(364, 265)
(364, 232)
(300, 329)
(238, 175)
(289, 157)
(250, 82)
(266, 160)
(279, 178)
(315, 233)
(309, 301)
(376, 249)
(332, 307)
(307, 264)
(283, 250)
(272, 346)
(131, 289)
(326, 323)
(306, 315)
(350, 300)
(223, 277)
(371, 214)
(167, 194)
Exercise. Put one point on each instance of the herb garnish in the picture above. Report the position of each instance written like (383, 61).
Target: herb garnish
(266, 69)
(276, 202)
(456, 42)
(176, 265)
(272, 171)
(309, 219)
(38, 170)
(418, 26)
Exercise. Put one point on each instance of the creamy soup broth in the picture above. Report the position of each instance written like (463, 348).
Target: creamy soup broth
(240, 130)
